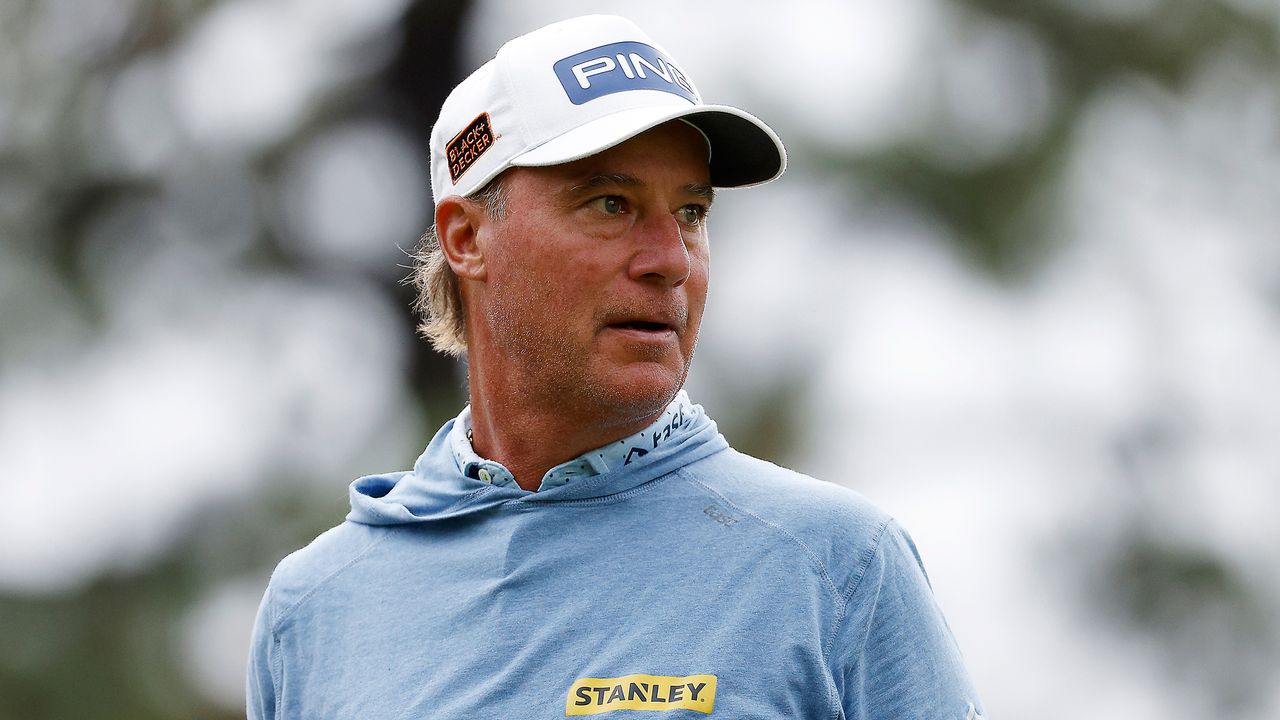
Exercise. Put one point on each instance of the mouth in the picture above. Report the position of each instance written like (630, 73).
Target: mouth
(647, 328)
(642, 326)
(655, 324)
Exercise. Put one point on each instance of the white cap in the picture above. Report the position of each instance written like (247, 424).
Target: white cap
(575, 88)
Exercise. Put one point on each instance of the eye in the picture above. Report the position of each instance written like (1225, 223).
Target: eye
(609, 204)
(692, 215)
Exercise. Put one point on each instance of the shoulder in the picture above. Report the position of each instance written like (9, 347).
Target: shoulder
(839, 526)
(798, 501)
(306, 570)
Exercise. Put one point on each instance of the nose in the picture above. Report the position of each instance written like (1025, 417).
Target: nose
(661, 254)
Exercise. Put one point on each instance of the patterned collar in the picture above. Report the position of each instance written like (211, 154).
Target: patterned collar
(673, 423)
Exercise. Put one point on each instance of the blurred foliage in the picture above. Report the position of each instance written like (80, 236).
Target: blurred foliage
(996, 209)
(109, 650)
(113, 648)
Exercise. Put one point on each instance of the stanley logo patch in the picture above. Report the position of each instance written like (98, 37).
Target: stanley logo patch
(467, 146)
(592, 696)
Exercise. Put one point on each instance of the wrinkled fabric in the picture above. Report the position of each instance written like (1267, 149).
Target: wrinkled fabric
(699, 581)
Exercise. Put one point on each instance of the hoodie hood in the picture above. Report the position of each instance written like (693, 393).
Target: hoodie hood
(436, 489)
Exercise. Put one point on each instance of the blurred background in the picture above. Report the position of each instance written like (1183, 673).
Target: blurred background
(1020, 286)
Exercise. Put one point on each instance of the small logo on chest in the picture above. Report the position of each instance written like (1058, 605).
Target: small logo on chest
(592, 696)
(719, 515)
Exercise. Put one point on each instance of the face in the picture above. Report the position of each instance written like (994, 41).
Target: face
(596, 276)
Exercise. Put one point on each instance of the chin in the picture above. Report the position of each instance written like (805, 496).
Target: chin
(635, 393)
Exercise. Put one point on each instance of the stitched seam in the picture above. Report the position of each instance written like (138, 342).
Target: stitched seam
(468, 497)
(284, 615)
(831, 697)
(843, 613)
(853, 588)
(277, 673)
(822, 571)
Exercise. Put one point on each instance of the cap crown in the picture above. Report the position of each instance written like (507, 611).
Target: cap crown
(543, 85)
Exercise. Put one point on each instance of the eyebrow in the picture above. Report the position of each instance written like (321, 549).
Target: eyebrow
(599, 180)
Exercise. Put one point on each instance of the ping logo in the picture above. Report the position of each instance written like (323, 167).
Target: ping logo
(618, 67)
(592, 696)
(467, 146)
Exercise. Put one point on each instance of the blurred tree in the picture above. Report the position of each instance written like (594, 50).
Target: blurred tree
(112, 647)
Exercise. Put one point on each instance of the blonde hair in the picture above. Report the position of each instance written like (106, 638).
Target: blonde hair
(442, 316)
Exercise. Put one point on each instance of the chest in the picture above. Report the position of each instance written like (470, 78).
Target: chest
(660, 627)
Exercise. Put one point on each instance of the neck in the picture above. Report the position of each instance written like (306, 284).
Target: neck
(529, 435)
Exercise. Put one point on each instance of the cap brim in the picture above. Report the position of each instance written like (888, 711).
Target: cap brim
(744, 151)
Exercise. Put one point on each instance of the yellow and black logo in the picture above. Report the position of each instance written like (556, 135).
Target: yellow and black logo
(592, 696)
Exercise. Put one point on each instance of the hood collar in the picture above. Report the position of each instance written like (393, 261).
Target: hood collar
(438, 489)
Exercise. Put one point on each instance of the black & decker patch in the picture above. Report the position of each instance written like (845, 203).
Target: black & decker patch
(467, 146)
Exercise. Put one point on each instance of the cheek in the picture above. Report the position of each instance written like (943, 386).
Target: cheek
(522, 269)
(555, 291)
(696, 294)
(699, 279)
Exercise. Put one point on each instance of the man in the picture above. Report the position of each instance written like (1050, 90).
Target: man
(580, 540)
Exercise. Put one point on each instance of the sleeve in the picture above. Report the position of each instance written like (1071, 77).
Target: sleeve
(894, 655)
(260, 683)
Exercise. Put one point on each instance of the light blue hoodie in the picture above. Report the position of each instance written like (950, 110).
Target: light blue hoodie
(695, 580)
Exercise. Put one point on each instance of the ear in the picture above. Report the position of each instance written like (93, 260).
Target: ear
(458, 225)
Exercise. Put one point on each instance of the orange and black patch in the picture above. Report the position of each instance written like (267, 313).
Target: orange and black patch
(467, 146)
